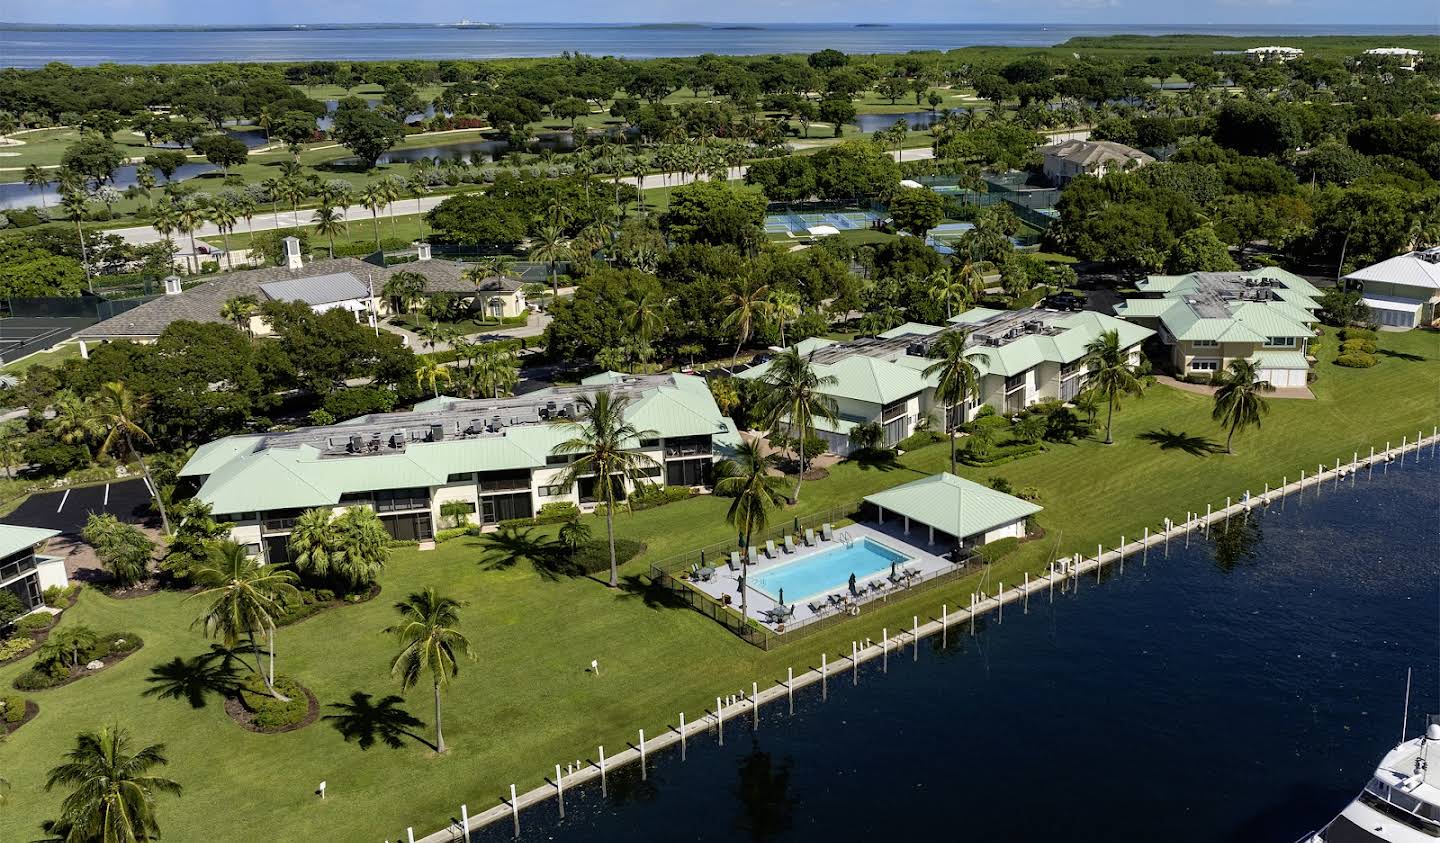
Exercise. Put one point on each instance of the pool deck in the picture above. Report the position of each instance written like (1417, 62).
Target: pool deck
(925, 559)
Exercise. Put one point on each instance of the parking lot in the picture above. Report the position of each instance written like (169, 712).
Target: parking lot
(66, 509)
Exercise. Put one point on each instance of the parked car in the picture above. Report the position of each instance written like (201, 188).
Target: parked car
(1066, 301)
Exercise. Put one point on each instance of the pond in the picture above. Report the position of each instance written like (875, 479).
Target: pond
(1238, 689)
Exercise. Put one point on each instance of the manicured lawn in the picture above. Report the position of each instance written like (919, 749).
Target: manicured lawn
(528, 701)
(54, 357)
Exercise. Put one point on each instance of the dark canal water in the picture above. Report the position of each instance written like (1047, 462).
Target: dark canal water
(1239, 690)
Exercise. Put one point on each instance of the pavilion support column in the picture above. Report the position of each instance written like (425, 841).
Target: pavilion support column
(932, 535)
(879, 515)
(907, 525)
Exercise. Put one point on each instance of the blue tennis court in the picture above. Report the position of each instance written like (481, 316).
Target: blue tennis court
(799, 224)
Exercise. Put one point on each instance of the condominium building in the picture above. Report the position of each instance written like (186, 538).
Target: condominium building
(494, 456)
(25, 571)
(1210, 319)
(1023, 357)
(1402, 292)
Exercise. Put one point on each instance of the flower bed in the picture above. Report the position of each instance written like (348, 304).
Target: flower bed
(257, 710)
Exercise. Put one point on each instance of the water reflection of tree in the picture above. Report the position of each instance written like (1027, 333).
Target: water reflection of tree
(764, 793)
(1235, 541)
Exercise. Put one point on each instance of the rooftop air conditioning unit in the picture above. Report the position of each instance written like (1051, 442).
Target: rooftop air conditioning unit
(397, 440)
(437, 432)
(357, 444)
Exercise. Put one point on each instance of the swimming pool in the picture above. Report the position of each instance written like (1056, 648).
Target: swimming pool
(827, 570)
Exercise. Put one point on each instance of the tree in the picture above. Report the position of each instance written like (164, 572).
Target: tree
(477, 219)
(368, 134)
(94, 156)
(373, 198)
(754, 493)
(36, 178)
(1111, 374)
(223, 216)
(167, 161)
(28, 270)
(957, 378)
(433, 372)
(247, 597)
(1238, 404)
(837, 111)
(1199, 250)
(748, 304)
(351, 547)
(122, 548)
(112, 790)
(223, 151)
(239, 309)
(716, 213)
(329, 221)
(429, 643)
(117, 414)
(550, 246)
(917, 210)
(66, 645)
(794, 396)
(601, 444)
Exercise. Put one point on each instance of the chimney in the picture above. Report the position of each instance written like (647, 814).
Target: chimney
(172, 285)
(422, 251)
(292, 253)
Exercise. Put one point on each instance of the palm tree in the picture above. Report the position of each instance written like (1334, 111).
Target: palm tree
(550, 247)
(392, 188)
(405, 288)
(749, 304)
(794, 397)
(432, 371)
(784, 308)
(189, 216)
(601, 447)
(74, 421)
(247, 596)
(73, 201)
(1238, 404)
(239, 309)
(644, 314)
(352, 546)
(223, 215)
(418, 185)
(116, 413)
(37, 179)
(1111, 375)
(495, 371)
(291, 190)
(957, 379)
(166, 221)
(754, 493)
(329, 220)
(429, 643)
(112, 791)
(373, 198)
(12, 447)
(950, 289)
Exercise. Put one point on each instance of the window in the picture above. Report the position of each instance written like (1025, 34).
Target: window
(1279, 342)
(559, 459)
(1068, 369)
(412, 527)
(649, 443)
(500, 481)
(16, 563)
(1206, 365)
(280, 519)
(394, 500)
(1204, 344)
(687, 446)
(494, 508)
(554, 491)
(687, 473)
(894, 408)
(465, 477)
(1014, 382)
(649, 471)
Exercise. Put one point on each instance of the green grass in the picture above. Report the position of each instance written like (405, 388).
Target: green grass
(54, 357)
(528, 702)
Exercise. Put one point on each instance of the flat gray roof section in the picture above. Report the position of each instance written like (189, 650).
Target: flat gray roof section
(317, 289)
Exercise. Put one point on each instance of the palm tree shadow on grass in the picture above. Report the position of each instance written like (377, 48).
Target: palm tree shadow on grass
(1169, 440)
(506, 548)
(1402, 355)
(195, 679)
(365, 720)
(656, 596)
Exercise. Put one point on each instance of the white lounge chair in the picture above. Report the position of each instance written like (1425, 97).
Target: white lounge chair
(809, 537)
(734, 560)
(770, 548)
(825, 532)
(754, 556)
(789, 544)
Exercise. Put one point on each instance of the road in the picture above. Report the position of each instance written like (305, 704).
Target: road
(358, 213)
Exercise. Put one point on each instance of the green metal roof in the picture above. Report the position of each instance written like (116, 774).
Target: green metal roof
(243, 479)
(1279, 360)
(14, 539)
(953, 504)
(861, 378)
(911, 328)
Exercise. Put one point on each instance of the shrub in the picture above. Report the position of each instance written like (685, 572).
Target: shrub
(999, 455)
(268, 713)
(38, 678)
(12, 708)
(1358, 334)
(594, 556)
(1357, 346)
(920, 439)
(559, 511)
(15, 646)
(35, 622)
(61, 598)
(997, 550)
(10, 607)
(1356, 360)
(452, 533)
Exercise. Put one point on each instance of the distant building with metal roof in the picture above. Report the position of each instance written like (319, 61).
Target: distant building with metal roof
(1404, 291)
(1210, 319)
(1023, 357)
(25, 572)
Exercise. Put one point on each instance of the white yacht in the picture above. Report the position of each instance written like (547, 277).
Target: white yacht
(1401, 804)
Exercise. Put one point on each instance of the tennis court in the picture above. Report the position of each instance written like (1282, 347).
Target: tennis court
(22, 335)
(799, 223)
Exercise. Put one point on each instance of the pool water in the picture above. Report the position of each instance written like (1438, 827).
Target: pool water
(827, 570)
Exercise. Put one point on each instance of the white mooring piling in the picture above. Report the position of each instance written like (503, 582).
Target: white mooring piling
(885, 650)
(824, 680)
(515, 811)
(755, 702)
(1027, 593)
(643, 771)
(972, 613)
(682, 736)
(603, 788)
(790, 687)
(720, 721)
(1000, 604)
(410, 833)
(559, 795)
(944, 625)
(465, 816)
(915, 634)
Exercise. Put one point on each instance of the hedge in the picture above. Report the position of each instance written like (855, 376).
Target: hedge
(1356, 360)
(997, 550)
(1001, 455)
(1357, 346)
(12, 709)
(1357, 334)
(920, 439)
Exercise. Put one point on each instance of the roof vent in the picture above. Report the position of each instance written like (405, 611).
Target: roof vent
(1432, 732)
(292, 253)
(173, 285)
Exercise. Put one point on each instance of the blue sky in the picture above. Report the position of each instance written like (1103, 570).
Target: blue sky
(1423, 15)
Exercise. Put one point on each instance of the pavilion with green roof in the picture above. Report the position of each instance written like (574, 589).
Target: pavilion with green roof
(948, 507)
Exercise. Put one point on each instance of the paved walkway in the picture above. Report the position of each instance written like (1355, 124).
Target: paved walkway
(1300, 392)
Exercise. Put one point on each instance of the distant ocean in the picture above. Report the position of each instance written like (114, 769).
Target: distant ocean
(25, 46)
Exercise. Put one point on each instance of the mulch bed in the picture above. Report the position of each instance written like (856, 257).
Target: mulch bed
(815, 474)
(245, 718)
(144, 588)
(31, 709)
(80, 673)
